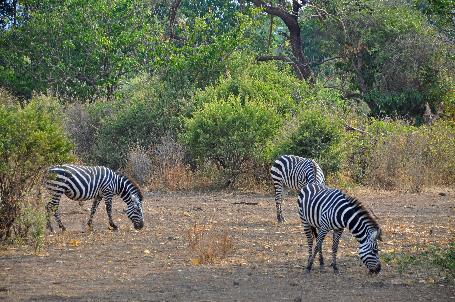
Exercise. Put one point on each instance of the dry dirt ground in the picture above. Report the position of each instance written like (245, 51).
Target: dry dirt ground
(264, 260)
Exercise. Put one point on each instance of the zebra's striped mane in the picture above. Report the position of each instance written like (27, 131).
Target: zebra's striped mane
(135, 185)
(365, 212)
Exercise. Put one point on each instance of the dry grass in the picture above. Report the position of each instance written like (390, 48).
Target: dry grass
(412, 161)
(139, 164)
(208, 244)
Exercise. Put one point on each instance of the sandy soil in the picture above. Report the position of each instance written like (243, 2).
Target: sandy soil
(162, 262)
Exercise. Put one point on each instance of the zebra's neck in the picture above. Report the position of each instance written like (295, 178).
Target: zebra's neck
(359, 222)
(125, 187)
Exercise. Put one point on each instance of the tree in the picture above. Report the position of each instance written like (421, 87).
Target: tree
(290, 18)
(77, 49)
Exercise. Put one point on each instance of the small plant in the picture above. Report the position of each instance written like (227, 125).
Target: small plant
(442, 258)
(208, 244)
(30, 226)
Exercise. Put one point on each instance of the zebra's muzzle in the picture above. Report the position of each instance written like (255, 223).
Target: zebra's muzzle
(376, 270)
(139, 225)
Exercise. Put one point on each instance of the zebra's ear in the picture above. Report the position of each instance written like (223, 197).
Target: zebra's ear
(376, 235)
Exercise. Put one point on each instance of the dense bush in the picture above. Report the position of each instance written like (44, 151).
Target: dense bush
(264, 82)
(315, 135)
(230, 133)
(137, 122)
(31, 139)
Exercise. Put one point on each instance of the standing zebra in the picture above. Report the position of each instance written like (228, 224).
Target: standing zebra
(86, 182)
(330, 209)
(294, 172)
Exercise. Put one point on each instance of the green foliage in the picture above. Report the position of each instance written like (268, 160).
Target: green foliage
(314, 134)
(230, 132)
(205, 53)
(31, 139)
(264, 83)
(78, 49)
(136, 122)
(386, 53)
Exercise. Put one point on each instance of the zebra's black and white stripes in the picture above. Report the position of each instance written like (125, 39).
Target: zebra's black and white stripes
(293, 172)
(330, 209)
(92, 182)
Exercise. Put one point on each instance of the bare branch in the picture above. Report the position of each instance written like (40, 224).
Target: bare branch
(326, 60)
(350, 128)
(273, 58)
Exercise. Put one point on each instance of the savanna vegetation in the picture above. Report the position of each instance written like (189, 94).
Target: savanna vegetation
(190, 95)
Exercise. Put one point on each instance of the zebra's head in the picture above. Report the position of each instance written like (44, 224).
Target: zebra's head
(369, 252)
(134, 211)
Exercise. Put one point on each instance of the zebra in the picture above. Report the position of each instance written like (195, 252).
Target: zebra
(294, 172)
(330, 209)
(92, 182)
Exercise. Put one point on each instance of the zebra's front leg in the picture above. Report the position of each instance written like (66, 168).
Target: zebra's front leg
(95, 204)
(336, 240)
(317, 248)
(108, 202)
(278, 199)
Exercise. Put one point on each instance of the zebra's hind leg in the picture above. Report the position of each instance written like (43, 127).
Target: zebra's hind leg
(108, 202)
(321, 257)
(317, 248)
(53, 207)
(309, 237)
(49, 210)
(278, 200)
(336, 240)
(95, 204)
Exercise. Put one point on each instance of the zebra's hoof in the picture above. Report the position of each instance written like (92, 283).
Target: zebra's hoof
(335, 268)
(307, 270)
(281, 220)
(114, 228)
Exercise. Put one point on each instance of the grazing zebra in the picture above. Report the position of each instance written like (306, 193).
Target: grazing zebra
(294, 172)
(87, 182)
(330, 209)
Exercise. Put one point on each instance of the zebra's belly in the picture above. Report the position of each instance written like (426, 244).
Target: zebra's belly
(80, 197)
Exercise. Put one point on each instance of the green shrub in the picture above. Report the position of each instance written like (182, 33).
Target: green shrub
(314, 135)
(230, 133)
(136, 123)
(31, 139)
(263, 82)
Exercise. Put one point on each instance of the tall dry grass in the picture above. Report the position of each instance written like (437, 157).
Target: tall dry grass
(413, 160)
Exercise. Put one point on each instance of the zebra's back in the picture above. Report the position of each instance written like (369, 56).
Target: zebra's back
(79, 182)
(295, 171)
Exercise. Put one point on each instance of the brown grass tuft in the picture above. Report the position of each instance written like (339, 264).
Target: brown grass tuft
(208, 244)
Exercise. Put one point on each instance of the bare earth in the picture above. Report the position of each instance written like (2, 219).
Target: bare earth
(265, 264)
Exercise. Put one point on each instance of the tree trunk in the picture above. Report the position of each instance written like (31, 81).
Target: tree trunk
(303, 70)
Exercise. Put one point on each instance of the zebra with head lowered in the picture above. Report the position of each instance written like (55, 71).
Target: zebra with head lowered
(293, 172)
(330, 209)
(92, 182)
